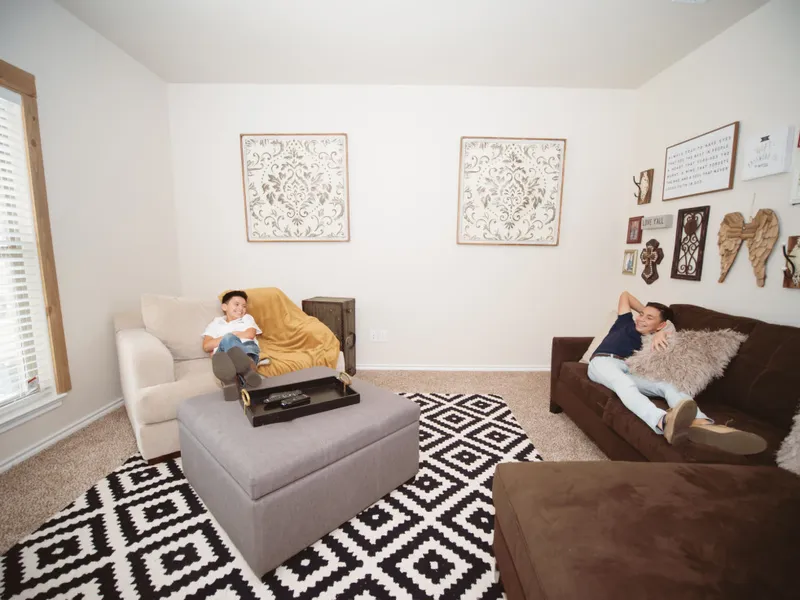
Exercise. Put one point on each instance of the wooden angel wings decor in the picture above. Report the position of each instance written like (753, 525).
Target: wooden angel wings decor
(761, 234)
(651, 256)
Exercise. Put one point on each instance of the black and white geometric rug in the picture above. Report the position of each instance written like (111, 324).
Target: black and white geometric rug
(142, 532)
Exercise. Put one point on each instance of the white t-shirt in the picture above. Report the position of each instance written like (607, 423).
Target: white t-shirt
(219, 327)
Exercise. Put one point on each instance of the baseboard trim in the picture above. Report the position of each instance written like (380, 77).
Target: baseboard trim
(58, 436)
(453, 367)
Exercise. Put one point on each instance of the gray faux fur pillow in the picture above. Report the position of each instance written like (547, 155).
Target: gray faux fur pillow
(789, 454)
(691, 360)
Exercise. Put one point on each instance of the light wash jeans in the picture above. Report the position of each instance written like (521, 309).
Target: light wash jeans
(634, 391)
(231, 341)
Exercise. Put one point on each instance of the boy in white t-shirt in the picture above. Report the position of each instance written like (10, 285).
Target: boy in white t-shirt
(231, 340)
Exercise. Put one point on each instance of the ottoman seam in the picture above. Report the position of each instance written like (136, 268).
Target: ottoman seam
(212, 455)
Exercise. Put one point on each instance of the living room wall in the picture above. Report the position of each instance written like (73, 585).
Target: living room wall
(105, 140)
(746, 74)
(443, 305)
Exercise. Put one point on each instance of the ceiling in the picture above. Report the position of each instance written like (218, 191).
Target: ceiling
(564, 43)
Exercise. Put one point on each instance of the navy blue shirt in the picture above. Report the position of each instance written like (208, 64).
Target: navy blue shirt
(622, 339)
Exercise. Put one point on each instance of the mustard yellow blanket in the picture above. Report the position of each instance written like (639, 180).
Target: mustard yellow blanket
(291, 339)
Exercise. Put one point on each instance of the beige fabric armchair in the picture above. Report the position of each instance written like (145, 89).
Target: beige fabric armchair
(154, 381)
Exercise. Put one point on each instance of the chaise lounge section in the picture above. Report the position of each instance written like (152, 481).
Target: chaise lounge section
(609, 530)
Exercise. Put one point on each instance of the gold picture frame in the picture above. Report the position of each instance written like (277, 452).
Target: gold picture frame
(629, 262)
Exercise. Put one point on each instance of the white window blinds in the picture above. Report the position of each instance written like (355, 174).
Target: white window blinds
(26, 365)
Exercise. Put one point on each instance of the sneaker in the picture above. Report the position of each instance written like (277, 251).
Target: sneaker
(223, 367)
(264, 361)
(727, 439)
(678, 420)
(244, 367)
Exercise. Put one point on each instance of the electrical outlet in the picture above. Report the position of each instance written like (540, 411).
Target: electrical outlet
(383, 335)
(373, 335)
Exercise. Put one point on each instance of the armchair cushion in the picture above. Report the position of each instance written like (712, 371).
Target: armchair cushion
(179, 323)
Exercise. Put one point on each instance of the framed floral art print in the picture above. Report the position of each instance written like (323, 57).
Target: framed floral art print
(296, 187)
(510, 191)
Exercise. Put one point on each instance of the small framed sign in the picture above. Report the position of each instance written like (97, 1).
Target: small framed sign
(629, 262)
(657, 222)
(702, 164)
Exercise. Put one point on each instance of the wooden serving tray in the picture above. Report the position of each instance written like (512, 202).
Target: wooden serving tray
(326, 393)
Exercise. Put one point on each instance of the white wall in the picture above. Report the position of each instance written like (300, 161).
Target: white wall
(105, 139)
(442, 304)
(746, 74)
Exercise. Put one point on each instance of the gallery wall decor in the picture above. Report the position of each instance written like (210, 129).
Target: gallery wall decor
(629, 262)
(510, 191)
(634, 235)
(657, 222)
(791, 254)
(760, 233)
(702, 164)
(651, 257)
(768, 153)
(644, 191)
(690, 243)
(296, 187)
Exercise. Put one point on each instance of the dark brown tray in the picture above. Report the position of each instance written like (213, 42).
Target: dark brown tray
(326, 393)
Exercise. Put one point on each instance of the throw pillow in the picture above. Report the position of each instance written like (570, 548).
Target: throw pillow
(788, 456)
(691, 360)
(179, 323)
(608, 321)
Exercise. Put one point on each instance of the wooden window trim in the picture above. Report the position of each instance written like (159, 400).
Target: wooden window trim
(24, 84)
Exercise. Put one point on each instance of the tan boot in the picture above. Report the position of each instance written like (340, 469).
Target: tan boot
(727, 439)
(677, 421)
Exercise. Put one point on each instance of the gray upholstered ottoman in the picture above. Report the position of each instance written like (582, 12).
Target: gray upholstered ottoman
(279, 488)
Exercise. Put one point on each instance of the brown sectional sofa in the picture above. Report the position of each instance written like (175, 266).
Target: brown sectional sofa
(671, 528)
(759, 392)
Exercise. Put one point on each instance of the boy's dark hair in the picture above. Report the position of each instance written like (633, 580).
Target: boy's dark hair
(666, 311)
(232, 294)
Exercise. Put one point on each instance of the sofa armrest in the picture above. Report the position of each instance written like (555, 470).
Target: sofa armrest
(565, 349)
(144, 361)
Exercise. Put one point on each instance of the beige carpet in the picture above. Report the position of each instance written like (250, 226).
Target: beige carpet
(41, 486)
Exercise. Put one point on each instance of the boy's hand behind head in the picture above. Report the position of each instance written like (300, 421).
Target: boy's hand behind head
(234, 305)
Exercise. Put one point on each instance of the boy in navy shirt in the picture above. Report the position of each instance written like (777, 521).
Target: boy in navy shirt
(684, 420)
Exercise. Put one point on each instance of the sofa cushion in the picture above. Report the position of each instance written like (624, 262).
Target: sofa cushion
(608, 530)
(160, 402)
(265, 459)
(655, 448)
(609, 319)
(763, 378)
(179, 323)
(595, 396)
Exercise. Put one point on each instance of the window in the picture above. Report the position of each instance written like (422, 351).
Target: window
(33, 361)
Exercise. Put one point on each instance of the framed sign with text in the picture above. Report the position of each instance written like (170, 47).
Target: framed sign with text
(657, 222)
(702, 164)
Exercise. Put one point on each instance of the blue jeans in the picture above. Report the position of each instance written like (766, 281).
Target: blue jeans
(634, 391)
(231, 341)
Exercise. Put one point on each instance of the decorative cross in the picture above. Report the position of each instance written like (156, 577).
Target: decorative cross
(651, 256)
